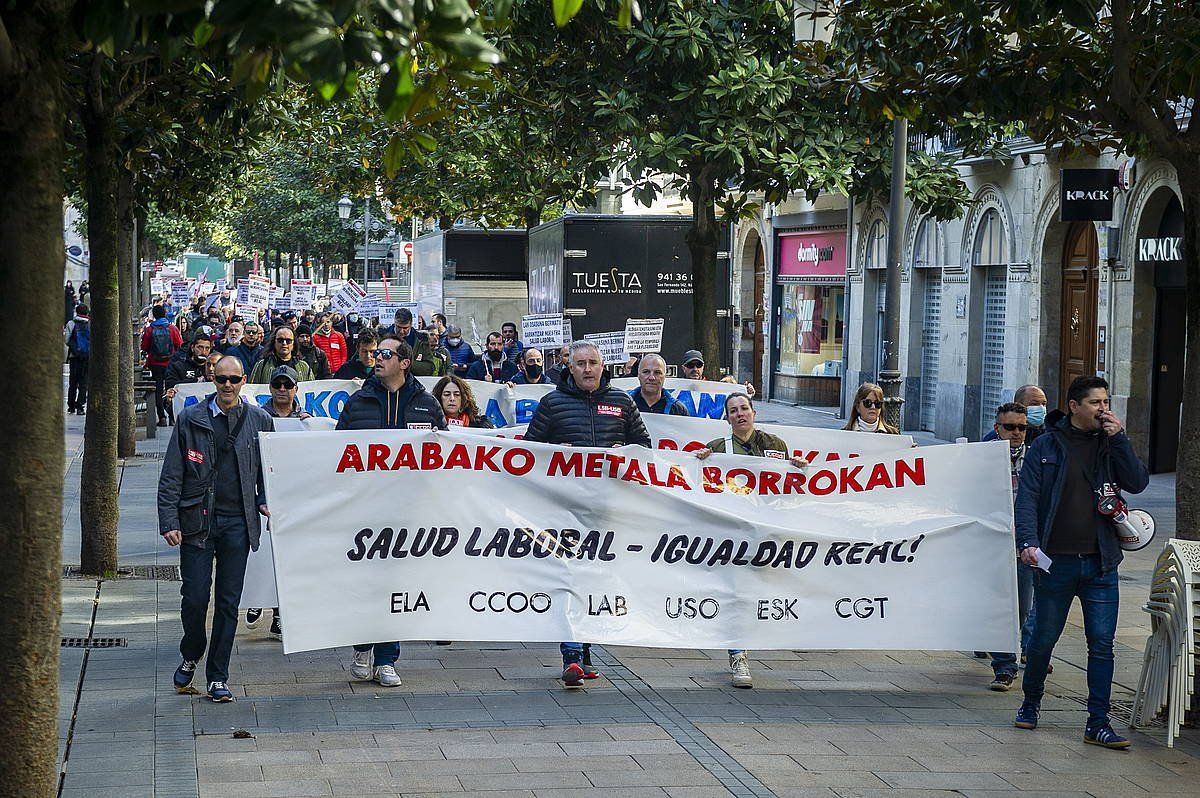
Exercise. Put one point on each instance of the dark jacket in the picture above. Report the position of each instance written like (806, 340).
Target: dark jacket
(247, 354)
(261, 373)
(668, 405)
(390, 331)
(481, 367)
(461, 356)
(316, 360)
(1042, 479)
(604, 417)
(371, 407)
(187, 471)
(183, 369)
(427, 361)
(352, 369)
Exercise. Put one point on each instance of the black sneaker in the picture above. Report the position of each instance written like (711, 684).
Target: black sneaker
(219, 693)
(184, 673)
(253, 616)
(1106, 737)
(276, 628)
(1027, 715)
(1002, 683)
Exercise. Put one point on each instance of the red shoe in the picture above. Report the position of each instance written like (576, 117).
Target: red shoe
(589, 672)
(573, 675)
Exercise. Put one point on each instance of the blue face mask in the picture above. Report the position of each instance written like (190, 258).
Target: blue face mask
(1036, 415)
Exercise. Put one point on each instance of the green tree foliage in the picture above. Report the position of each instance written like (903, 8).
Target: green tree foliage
(1081, 74)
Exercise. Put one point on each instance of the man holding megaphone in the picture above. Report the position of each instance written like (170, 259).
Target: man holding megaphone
(1068, 501)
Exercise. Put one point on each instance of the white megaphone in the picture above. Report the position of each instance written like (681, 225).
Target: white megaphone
(1134, 528)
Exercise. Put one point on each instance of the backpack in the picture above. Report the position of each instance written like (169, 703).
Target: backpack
(80, 342)
(160, 341)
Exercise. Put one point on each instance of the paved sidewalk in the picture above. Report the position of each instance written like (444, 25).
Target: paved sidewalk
(488, 719)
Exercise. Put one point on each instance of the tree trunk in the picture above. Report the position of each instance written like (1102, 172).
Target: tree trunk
(128, 273)
(702, 243)
(1187, 470)
(533, 217)
(98, 506)
(31, 213)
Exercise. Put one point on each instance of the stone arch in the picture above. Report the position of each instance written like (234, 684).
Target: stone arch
(987, 198)
(1046, 257)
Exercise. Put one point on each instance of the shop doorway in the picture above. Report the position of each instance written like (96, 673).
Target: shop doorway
(1080, 283)
(1170, 319)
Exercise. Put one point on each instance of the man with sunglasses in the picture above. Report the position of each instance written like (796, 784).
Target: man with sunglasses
(391, 398)
(1012, 425)
(282, 352)
(210, 493)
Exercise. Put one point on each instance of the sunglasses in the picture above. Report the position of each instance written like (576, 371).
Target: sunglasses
(1015, 427)
(288, 384)
(288, 341)
(876, 403)
(695, 364)
(221, 379)
(383, 354)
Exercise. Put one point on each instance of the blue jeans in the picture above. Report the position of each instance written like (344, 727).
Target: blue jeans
(1007, 662)
(385, 653)
(1099, 597)
(228, 544)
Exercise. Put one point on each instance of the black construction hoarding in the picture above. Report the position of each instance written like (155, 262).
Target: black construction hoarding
(1086, 195)
(601, 270)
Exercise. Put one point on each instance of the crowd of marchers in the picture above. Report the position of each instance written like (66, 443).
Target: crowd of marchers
(1068, 465)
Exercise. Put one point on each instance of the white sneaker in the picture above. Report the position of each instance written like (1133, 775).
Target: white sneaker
(740, 668)
(386, 676)
(360, 666)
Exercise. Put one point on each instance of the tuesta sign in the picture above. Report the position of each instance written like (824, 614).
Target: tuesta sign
(812, 257)
(1086, 195)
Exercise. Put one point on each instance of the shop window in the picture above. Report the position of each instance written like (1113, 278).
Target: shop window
(990, 244)
(812, 328)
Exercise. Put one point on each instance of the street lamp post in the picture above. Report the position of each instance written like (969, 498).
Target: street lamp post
(364, 223)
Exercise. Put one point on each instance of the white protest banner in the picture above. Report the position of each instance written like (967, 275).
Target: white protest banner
(181, 293)
(643, 335)
(568, 335)
(302, 294)
(347, 297)
(242, 297)
(610, 344)
(221, 286)
(258, 292)
(701, 398)
(278, 300)
(542, 330)
(158, 285)
(319, 398)
(246, 312)
(910, 550)
(814, 444)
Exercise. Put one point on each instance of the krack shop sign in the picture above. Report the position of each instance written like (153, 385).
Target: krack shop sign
(1087, 195)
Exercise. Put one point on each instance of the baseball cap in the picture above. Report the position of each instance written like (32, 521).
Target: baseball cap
(693, 354)
(285, 371)
(204, 330)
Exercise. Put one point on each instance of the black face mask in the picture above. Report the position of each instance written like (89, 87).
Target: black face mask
(533, 372)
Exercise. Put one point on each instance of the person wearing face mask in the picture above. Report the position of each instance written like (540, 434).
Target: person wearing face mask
(866, 414)
(461, 353)
(532, 369)
(744, 439)
(331, 342)
(350, 328)
(493, 366)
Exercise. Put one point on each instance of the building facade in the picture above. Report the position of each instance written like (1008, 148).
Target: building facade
(1009, 294)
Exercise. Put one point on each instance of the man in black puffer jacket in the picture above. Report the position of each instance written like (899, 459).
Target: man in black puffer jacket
(585, 411)
(391, 398)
